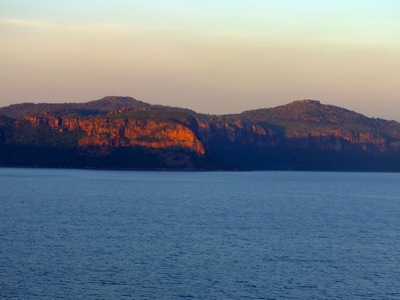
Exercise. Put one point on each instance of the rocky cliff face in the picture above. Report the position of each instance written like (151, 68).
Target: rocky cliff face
(236, 131)
(301, 135)
(101, 135)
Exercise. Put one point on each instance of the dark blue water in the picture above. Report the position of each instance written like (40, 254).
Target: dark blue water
(76, 234)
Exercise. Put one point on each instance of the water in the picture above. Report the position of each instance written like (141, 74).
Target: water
(79, 234)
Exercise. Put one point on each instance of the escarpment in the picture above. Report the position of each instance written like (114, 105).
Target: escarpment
(107, 134)
(121, 132)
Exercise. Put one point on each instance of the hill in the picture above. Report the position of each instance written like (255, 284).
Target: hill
(96, 107)
(125, 133)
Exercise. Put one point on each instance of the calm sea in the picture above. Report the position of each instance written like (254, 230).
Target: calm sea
(81, 234)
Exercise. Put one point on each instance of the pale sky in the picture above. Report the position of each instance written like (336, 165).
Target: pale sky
(211, 56)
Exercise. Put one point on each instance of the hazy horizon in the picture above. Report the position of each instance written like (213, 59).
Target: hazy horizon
(223, 57)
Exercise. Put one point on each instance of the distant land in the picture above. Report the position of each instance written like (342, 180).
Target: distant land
(125, 133)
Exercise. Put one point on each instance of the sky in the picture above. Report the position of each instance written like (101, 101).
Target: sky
(211, 56)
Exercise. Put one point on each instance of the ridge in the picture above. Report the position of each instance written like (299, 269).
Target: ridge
(125, 133)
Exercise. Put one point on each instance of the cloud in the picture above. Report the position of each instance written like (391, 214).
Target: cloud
(82, 27)
(25, 23)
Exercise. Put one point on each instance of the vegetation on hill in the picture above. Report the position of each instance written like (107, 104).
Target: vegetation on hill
(93, 108)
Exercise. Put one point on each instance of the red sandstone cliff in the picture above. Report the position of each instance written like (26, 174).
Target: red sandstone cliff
(102, 135)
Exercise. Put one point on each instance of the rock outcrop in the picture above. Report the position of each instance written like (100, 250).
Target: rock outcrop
(102, 134)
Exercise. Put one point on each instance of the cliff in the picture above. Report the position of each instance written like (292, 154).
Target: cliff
(121, 132)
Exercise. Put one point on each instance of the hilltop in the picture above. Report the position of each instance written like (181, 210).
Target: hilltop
(96, 107)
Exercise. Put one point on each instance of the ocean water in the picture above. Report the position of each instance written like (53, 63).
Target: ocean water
(85, 234)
